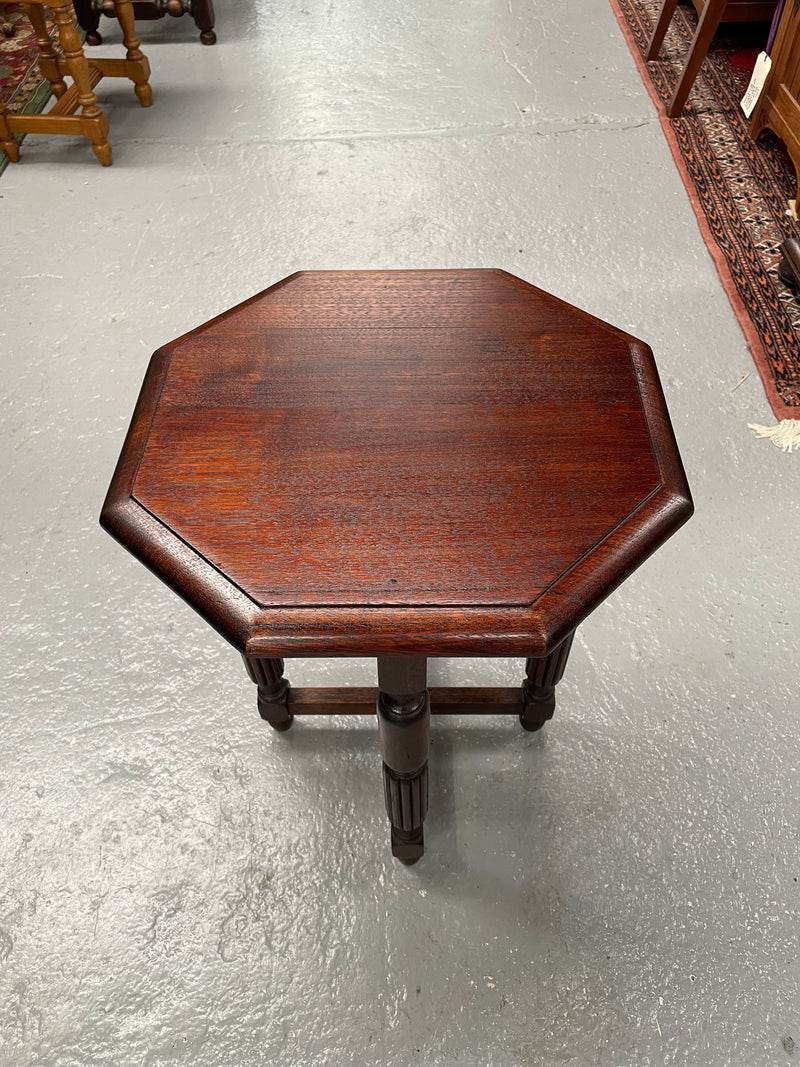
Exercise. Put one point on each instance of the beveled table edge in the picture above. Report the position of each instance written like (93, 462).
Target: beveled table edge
(533, 630)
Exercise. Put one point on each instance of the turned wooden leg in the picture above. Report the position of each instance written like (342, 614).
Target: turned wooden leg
(203, 15)
(404, 711)
(8, 142)
(273, 691)
(48, 58)
(96, 126)
(539, 687)
(88, 17)
(138, 69)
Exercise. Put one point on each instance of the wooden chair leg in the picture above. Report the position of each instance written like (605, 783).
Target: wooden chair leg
(48, 58)
(706, 28)
(89, 20)
(662, 23)
(138, 68)
(95, 124)
(8, 142)
(203, 15)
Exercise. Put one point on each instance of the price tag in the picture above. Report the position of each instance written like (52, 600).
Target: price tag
(760, 72)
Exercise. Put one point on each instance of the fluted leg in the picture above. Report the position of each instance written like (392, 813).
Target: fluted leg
(539, 687)
(273, 691)
(404, 711)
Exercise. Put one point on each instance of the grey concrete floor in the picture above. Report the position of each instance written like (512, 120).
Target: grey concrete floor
(182, 886)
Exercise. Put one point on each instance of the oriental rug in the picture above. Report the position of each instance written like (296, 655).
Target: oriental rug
(739, 189)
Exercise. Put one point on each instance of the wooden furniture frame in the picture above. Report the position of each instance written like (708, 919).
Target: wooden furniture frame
(712, 13)
(62, 117)
(778, 107)
(202, 11)
(400, 465)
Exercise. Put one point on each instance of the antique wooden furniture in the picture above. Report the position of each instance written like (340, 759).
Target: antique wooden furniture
(400, 465)
(62, 117)
(202, 11)
(712, 13)
(778, 107)
(789, 266)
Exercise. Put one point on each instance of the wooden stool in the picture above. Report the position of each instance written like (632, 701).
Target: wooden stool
(202, 11)
(399, 465)
(712, 13)
(61, 118)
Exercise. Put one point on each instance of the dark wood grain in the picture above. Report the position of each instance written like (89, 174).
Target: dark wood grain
(378, 463)
(742, 10)
(445, 700)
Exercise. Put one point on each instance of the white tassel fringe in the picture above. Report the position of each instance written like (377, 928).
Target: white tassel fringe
(785, 436)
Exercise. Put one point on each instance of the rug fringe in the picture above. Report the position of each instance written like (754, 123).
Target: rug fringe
(785, 436)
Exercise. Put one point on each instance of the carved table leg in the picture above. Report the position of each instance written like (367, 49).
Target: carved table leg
(539, 687)
(273, 691)
(404, 710)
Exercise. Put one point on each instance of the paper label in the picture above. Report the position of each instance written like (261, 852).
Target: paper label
(760, 72)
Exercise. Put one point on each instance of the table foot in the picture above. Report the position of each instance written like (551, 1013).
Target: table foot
(273, 691)
(540, 704)
(408, 846)
(539, 687)
(404, 712)
(8, 143)
(102, 149)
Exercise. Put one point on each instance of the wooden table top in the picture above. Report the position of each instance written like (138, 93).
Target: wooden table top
(428, 462)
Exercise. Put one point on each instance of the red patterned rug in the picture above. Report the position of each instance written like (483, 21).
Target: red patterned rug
(739, 189)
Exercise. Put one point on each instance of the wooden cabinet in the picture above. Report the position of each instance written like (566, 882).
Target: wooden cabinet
(778, 108)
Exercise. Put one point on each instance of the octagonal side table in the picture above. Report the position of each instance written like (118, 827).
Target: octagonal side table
(399, 464)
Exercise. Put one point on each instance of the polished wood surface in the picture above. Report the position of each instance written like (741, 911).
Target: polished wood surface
(421, 462)
(399, 464)
(778, 107)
